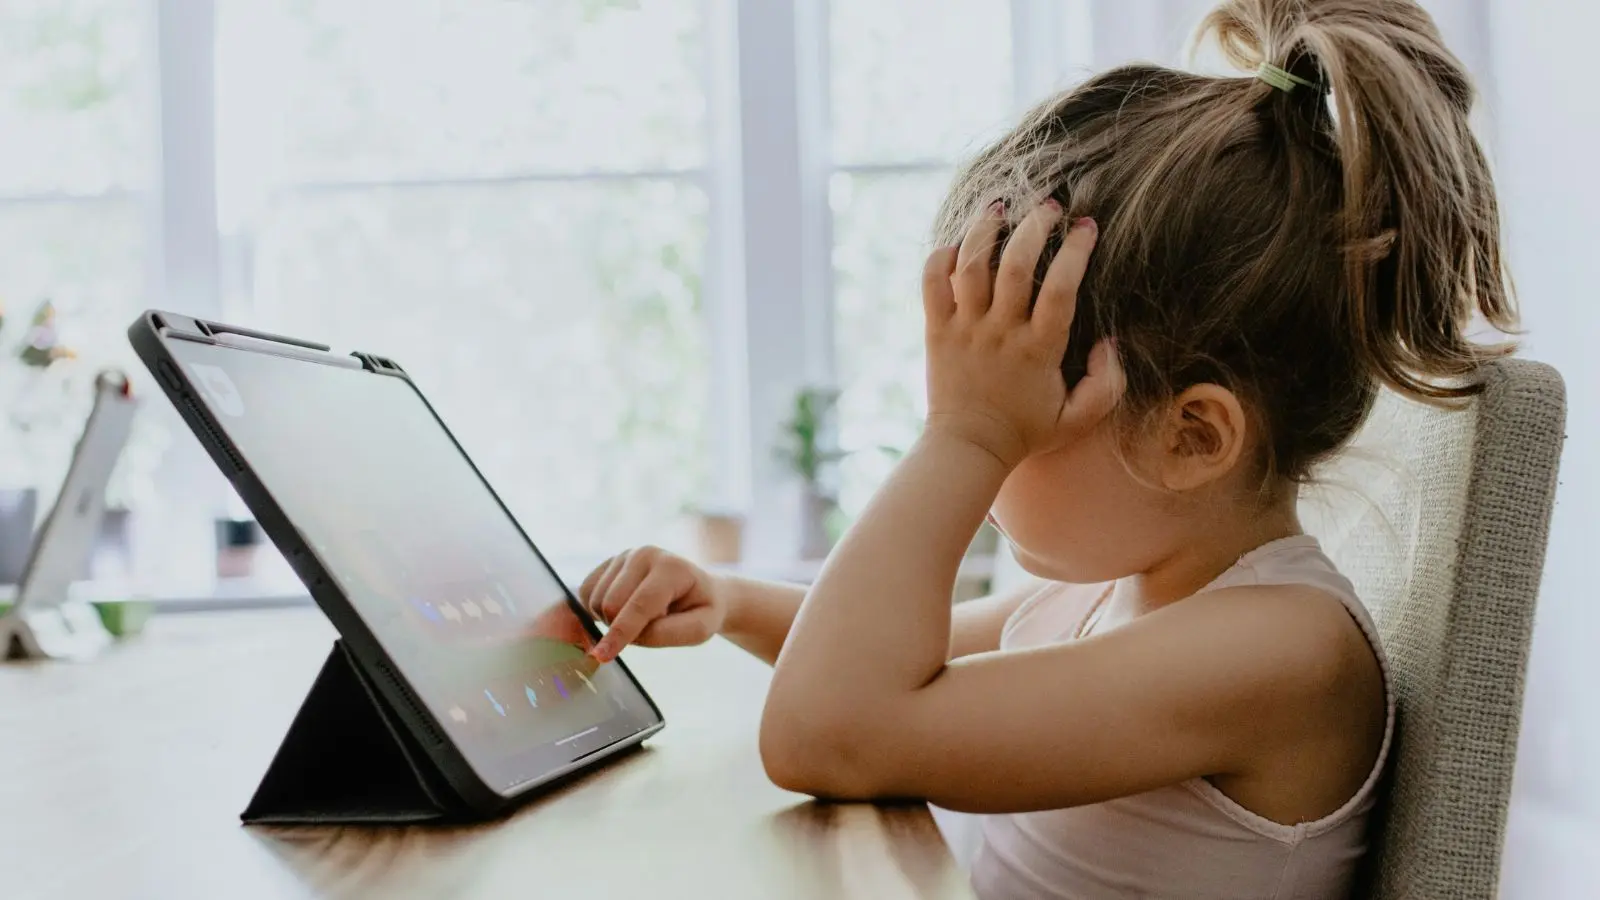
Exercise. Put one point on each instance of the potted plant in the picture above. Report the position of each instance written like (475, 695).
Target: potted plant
(810, 449)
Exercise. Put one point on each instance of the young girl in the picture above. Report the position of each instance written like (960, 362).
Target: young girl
(1195, 704)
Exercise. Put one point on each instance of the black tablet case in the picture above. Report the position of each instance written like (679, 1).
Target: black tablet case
(348, 759)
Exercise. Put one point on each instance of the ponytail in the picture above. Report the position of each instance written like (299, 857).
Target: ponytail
(1417, 215)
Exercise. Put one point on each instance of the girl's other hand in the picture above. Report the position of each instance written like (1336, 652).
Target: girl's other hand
(994, 364)
(651, 597)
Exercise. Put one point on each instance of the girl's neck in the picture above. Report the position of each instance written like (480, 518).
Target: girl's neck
(1212, 548)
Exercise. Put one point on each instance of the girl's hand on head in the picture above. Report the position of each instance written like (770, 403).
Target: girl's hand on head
(651, 597)
(994, 364)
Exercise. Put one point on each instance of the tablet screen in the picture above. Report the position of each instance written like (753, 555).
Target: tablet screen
(483, 631)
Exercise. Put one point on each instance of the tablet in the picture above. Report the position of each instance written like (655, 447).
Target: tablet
(44, 621)
(444, 602)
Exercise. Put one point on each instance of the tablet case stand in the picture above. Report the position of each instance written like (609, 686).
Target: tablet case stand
(348, 759)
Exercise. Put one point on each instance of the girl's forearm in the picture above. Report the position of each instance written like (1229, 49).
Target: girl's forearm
(759, 613)
(878, 619)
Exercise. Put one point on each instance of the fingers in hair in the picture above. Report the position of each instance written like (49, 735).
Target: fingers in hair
(973, 278)
(1058, 295)
(1013, 282)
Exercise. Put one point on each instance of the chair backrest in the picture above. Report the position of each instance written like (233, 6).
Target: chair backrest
(1440, 518)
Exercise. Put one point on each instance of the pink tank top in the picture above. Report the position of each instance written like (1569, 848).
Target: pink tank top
(1187, 840)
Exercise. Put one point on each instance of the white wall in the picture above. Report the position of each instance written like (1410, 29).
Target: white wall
(1546, 121)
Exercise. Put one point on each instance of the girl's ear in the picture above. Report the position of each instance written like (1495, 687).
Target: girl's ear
(1203, 437)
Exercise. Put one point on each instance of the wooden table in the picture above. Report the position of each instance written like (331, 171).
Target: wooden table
(124, 777)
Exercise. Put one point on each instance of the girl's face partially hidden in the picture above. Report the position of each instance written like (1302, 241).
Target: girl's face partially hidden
(1079, 515)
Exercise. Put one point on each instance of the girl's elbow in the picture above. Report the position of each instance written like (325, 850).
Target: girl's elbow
(806, 756)
(791, 772)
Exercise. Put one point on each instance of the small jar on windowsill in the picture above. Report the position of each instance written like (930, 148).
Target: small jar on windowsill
(238, 546)
(718, 537)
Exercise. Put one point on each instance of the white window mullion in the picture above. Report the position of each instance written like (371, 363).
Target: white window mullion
(185, 202)
(812, 84)
(782, 275)
(728, 411)
(184, 266)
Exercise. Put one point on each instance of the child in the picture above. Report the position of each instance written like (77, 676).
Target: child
(1196, 704)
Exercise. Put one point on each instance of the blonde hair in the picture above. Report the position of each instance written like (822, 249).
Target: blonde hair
(1299, 247)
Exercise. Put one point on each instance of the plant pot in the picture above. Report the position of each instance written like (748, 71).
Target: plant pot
(125, 618)
(719, 537)
(19, 510)
(816, 511)
(238, 545)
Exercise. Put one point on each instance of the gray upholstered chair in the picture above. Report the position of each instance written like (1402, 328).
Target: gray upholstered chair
(1440, 518)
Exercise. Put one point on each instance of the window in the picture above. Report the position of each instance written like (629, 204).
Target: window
(543, 209)
(73, 166)
(902, 115)
(479, 190)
